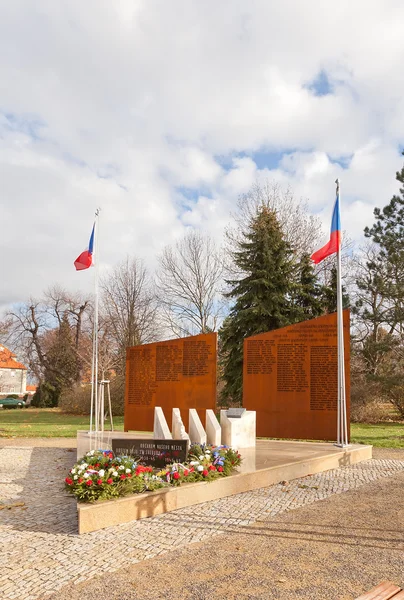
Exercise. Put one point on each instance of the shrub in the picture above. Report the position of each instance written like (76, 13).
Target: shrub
(77, 401)
(46, 396)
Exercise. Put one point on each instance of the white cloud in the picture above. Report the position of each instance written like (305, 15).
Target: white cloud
(137, 106)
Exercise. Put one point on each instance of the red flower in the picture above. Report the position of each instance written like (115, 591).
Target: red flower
(122, 476)
(69, 481)
(80, 480)
(110, 455)
(220, 469)
(176, 475)
(99, 481)
(186, 473)
(205, 473)
(89, 482)
(212, 468)
(191, 470)
(110, 481)
(97, 465)
(129, 475)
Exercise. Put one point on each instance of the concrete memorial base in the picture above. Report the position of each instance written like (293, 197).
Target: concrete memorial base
(267, 464)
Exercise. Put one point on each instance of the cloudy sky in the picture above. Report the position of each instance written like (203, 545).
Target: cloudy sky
(163, 112)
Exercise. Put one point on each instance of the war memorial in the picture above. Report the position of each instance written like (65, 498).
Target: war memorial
(289, 397)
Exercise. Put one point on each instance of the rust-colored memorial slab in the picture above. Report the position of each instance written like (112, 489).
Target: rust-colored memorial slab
(290, 378)
(172, 374)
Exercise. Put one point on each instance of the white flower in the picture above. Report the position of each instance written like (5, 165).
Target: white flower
(75, 477)
(115, 474)
(208, 457)
(201, 457)
(90, 453)
(127, 470)
(193, 463)
(101, 472)
(207, 451)
(121, 467)
(200, 468)
(83, 466)
(73, 471)
(86, 475)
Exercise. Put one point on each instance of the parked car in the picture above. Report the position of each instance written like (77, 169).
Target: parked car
(11, 403)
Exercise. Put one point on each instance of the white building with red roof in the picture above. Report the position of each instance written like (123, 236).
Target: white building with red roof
(13, 374)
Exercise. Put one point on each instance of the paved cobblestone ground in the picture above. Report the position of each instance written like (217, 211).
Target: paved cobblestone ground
(41, 551)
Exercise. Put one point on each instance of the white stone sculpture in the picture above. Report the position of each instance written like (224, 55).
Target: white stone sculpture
(178, 428)
(161, 430)
(239, 432)
(213, 429)
(197, 434)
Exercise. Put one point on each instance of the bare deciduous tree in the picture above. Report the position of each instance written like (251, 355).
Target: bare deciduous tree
(301, 229)
(129, 305)
(189, 279)
(30, 324)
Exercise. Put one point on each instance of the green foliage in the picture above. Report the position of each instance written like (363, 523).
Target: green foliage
(274, 289)
(309, 297)
(387, 266)
(46, 396)
(329, 294)
(380, 306)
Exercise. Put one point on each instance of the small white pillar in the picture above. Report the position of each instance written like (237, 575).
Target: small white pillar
(161, 430)
(213, 429)
(197, 433)
(178, 428)
(239, 432)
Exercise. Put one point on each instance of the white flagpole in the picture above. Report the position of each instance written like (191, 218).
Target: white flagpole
(97, 272)
(342, 428)
(94, 411)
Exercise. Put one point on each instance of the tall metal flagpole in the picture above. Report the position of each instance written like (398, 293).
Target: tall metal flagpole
(342, 427)
(94, 411)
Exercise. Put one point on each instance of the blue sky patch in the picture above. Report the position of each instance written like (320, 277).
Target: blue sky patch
(320, 85)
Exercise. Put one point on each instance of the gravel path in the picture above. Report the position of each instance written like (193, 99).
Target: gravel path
(41, 552)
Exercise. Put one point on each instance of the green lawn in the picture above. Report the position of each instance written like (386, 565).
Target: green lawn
(384, 435)
(44, 422)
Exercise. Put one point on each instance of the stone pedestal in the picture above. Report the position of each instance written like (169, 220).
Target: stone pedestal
(178, 428)
(238, 432)
(161, 430)
(213, 429)
(197, 434)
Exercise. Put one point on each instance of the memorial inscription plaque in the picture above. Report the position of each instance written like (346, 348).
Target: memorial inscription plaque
(290, 379)
(156, 453)
(172, 374)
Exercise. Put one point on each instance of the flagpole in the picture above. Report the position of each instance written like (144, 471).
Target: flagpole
(342, 428)
(96, 300)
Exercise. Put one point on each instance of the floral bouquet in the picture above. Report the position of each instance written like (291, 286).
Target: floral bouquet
(102, 476)
(206, 463)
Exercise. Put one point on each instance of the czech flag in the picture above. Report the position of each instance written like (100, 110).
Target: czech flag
(335, 238)
(85, 260)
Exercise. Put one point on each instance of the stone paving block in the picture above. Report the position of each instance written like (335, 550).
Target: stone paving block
(44, 538)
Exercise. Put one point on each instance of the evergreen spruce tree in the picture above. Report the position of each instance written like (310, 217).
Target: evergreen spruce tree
(262, 296)
(309, 295)
(329, 294)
